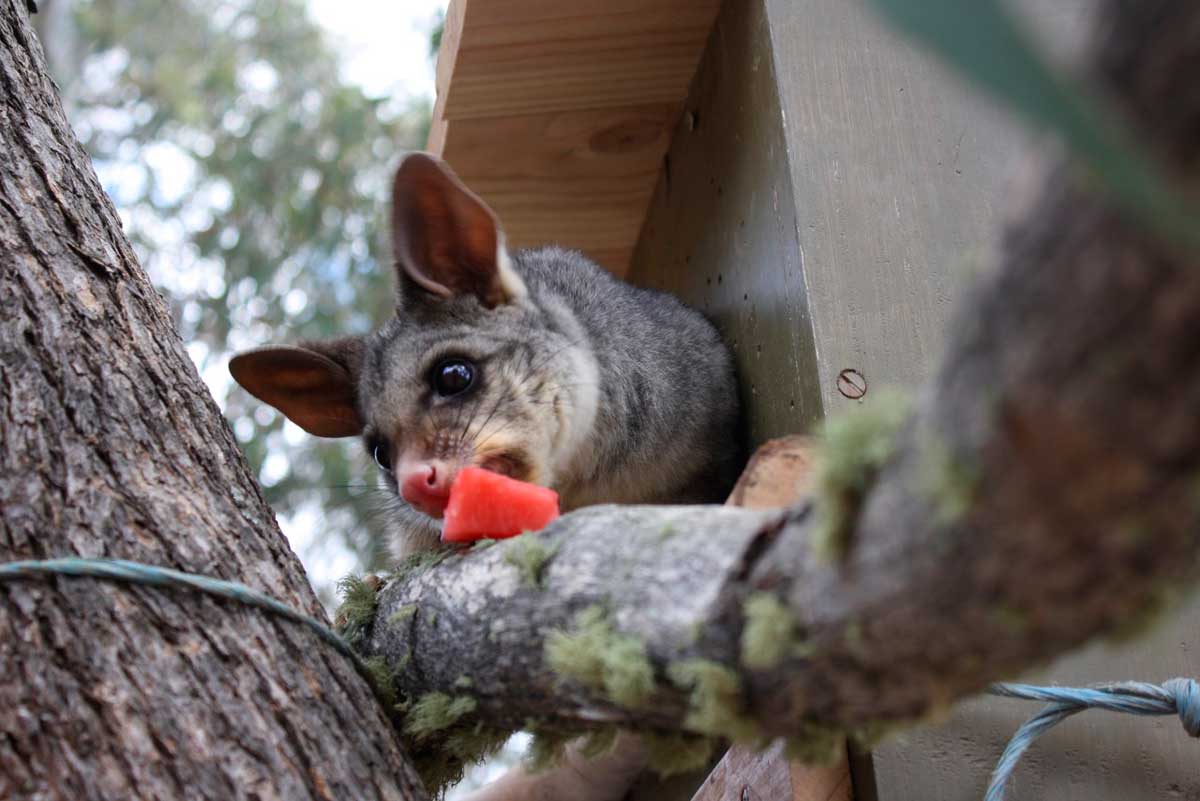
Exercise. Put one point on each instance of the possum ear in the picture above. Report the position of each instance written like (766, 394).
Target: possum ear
(446, 240)
(314, 385)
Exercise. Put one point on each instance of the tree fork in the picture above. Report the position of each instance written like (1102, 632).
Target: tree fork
(110, 445)
(1044, 490)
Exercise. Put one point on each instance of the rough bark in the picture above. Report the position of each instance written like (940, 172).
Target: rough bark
(111, 446)
(1043, 492)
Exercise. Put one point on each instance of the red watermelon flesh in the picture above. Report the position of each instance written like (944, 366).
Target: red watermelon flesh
(487, 505)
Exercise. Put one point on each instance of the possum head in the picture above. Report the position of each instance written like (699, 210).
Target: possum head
(470, 371)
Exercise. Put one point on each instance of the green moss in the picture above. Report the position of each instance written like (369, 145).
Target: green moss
(434, 712)
(443, 767)
(598, 743)
(420, 562)
(483, 544)
(671, 754)
(854, 446)
(949, 483)
(474, 743)
(869, 735)
(547, 748)
(1010, 618)
(666, 532)
(598, 657)
(770, 633)
(357, 611)
(402, 615)
(715, 704)
(383, 680)
(441, 756)
(464, 682)
(816, 744)
(854, 638)
(529, 555)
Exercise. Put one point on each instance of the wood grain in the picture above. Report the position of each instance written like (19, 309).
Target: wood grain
(558, 114)
(779, 474)
(722, 228)
(743, 775)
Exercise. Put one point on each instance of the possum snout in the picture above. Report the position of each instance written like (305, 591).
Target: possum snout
(426, 486)
(424, 481)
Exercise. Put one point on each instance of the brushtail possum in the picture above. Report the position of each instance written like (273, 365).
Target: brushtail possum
(537, 364)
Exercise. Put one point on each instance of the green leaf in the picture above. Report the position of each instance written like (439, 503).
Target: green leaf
(987, 45)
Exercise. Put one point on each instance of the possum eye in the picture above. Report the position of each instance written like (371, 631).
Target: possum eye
(381, 452)
(452, 377)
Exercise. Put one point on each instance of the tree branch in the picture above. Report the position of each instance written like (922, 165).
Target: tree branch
(1043, 491)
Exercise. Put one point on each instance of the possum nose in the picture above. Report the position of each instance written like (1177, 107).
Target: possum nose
(426, 487)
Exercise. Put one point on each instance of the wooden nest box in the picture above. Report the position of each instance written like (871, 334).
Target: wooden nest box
(822, 190)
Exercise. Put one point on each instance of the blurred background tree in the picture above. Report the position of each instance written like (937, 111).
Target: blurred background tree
(252, 179)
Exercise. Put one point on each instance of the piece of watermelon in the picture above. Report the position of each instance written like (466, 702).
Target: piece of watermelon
(487, 505)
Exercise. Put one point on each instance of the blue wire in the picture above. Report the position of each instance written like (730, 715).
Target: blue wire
(122, 570)
(1175, 697)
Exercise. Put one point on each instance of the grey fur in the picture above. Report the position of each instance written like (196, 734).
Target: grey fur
(605, 392)
(666, 420)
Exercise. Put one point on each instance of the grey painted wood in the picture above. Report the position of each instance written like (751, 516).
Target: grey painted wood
(900, 179)
(1095, 756)
(897, 175)
(721, 230)
(826, 200)
(720, 233)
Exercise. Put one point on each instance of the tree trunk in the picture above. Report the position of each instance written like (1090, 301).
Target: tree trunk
(1043, 492)
(111, 446)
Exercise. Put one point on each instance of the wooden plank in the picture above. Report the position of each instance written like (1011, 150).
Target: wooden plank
(721, 231)
(1096, 755)
(889, 212)
(899, 176)
(586, 56)
(779, 473)
(900, 179)
(558, 114)
(890, 179)
(744, 775)
(585, 185)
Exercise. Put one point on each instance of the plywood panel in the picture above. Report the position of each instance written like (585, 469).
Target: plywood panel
(559, 114)
(1094, 756)
(899, 177)
(721, 231)
(779, 473)
(833, 225)
(900, 180)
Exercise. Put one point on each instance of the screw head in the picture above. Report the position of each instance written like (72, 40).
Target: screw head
(851, 384)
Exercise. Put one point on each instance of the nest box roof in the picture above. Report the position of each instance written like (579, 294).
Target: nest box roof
(559, 113)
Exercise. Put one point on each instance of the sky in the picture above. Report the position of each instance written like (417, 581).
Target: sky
(384, 45)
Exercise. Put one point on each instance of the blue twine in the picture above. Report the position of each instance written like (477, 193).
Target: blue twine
(123, 570)
(1174, 697)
